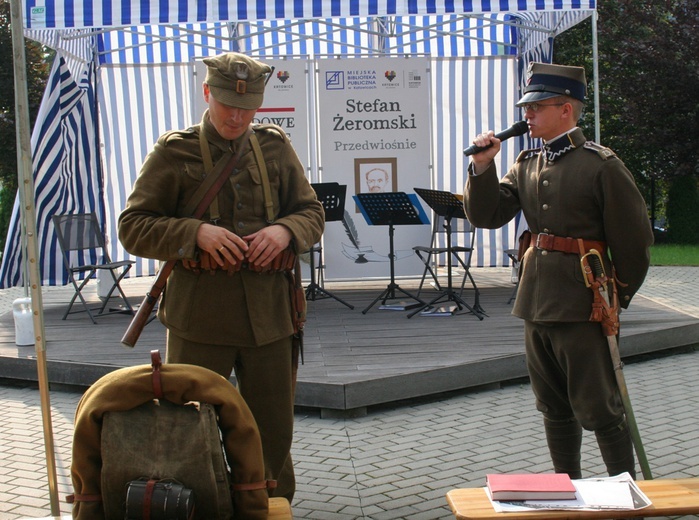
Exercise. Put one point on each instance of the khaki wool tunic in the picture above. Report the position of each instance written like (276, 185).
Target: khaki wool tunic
(245, 308)
(570, 188)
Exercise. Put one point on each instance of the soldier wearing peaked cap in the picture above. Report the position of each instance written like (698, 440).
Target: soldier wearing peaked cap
(220, 311)
(568, 189)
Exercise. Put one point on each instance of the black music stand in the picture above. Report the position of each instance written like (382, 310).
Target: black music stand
(389, 209)
(447, 205)
(332, 196)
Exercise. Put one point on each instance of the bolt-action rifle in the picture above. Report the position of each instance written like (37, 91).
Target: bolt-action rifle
(217, 181)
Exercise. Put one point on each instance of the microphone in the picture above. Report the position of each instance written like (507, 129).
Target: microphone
(519, 128)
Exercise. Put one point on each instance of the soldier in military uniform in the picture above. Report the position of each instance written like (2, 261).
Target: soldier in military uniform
(221, 313)
(568, 189)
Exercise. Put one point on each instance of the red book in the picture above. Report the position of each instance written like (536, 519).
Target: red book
(530, 486)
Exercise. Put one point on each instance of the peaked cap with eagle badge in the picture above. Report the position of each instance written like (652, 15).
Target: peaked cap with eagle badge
(237, 80)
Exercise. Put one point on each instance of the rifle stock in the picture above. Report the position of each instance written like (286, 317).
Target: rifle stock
(144, 310)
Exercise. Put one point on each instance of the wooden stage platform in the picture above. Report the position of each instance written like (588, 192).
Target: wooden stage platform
(352, 360)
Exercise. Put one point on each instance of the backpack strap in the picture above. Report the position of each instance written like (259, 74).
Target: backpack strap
(253, 486)
(75, 497)
(259, 158)
(156, 363)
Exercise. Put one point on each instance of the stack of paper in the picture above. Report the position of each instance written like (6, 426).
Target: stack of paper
(619, 493)
(445, 310)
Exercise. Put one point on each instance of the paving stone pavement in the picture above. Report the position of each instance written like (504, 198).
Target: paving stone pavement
(399, 460)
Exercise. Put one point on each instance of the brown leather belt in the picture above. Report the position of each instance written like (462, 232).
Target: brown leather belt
(548, 242)
(284, 261)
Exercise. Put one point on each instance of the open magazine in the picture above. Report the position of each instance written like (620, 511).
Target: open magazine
(618, 493)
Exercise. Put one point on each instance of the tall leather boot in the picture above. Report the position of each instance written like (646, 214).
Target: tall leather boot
(616, 448)
(564, 438)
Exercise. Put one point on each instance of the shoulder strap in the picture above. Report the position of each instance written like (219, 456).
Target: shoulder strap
(213, 182)
(269, 205)
(214, 214)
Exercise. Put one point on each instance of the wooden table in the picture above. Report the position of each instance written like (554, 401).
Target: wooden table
(670, 497)
(279, 509)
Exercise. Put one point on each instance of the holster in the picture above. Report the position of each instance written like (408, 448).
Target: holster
(297, 296)
(524, 241)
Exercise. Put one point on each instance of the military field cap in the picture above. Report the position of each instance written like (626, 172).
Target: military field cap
(547, 80)
(237, 80)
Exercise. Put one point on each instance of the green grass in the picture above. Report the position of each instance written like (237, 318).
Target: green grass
(673, 254)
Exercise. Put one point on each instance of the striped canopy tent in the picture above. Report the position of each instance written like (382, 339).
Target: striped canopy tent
(123, 75)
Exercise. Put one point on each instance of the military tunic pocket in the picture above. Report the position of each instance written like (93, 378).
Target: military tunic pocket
(195, 171)
(178, 299)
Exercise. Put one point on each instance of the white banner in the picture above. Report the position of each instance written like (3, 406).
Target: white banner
(374, 133)
(286, 104)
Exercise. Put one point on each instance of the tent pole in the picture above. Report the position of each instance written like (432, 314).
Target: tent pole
(595, 73)
(26, 183)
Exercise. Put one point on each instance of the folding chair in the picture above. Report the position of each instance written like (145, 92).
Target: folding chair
(429, 255)
(80, 238)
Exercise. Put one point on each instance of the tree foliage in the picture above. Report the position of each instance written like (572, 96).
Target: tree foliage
(648, 84)
(684, 194)
(38, 68)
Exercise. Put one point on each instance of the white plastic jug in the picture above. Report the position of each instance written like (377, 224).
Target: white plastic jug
(24, 321)
(104, 283)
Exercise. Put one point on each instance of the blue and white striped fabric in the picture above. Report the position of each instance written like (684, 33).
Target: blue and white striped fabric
(65, 165)
(61, 14)
(471, 96)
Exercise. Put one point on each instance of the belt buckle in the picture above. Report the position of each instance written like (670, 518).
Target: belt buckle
(538, 240)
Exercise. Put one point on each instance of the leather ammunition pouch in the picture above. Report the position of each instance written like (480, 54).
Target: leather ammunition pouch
(283, 262)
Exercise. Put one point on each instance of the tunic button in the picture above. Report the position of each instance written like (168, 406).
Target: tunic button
(241, 225)
(627, 297)
(544, 252)
(240, 205)
(545, 183)
(545, 207)
(180, 252)
(237, 185)
(546, 230)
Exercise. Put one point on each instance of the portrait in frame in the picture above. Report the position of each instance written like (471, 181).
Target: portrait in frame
(376, 175)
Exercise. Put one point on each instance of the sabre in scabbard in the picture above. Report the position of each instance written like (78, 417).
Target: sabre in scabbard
(605, 309)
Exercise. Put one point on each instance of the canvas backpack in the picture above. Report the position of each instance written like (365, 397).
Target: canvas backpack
(164, 443)
(146, 448)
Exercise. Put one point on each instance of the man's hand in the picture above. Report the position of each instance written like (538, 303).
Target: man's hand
(482, 160)
(266, 244)
(221, 243)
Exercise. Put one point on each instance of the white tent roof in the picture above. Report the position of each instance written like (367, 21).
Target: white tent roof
(91, 135)
(175, 31)
(100, 14)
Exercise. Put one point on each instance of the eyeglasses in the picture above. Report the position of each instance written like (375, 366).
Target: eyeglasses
(534, 107)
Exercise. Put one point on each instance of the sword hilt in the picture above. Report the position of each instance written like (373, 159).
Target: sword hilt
(595, 261)
(593, 267)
